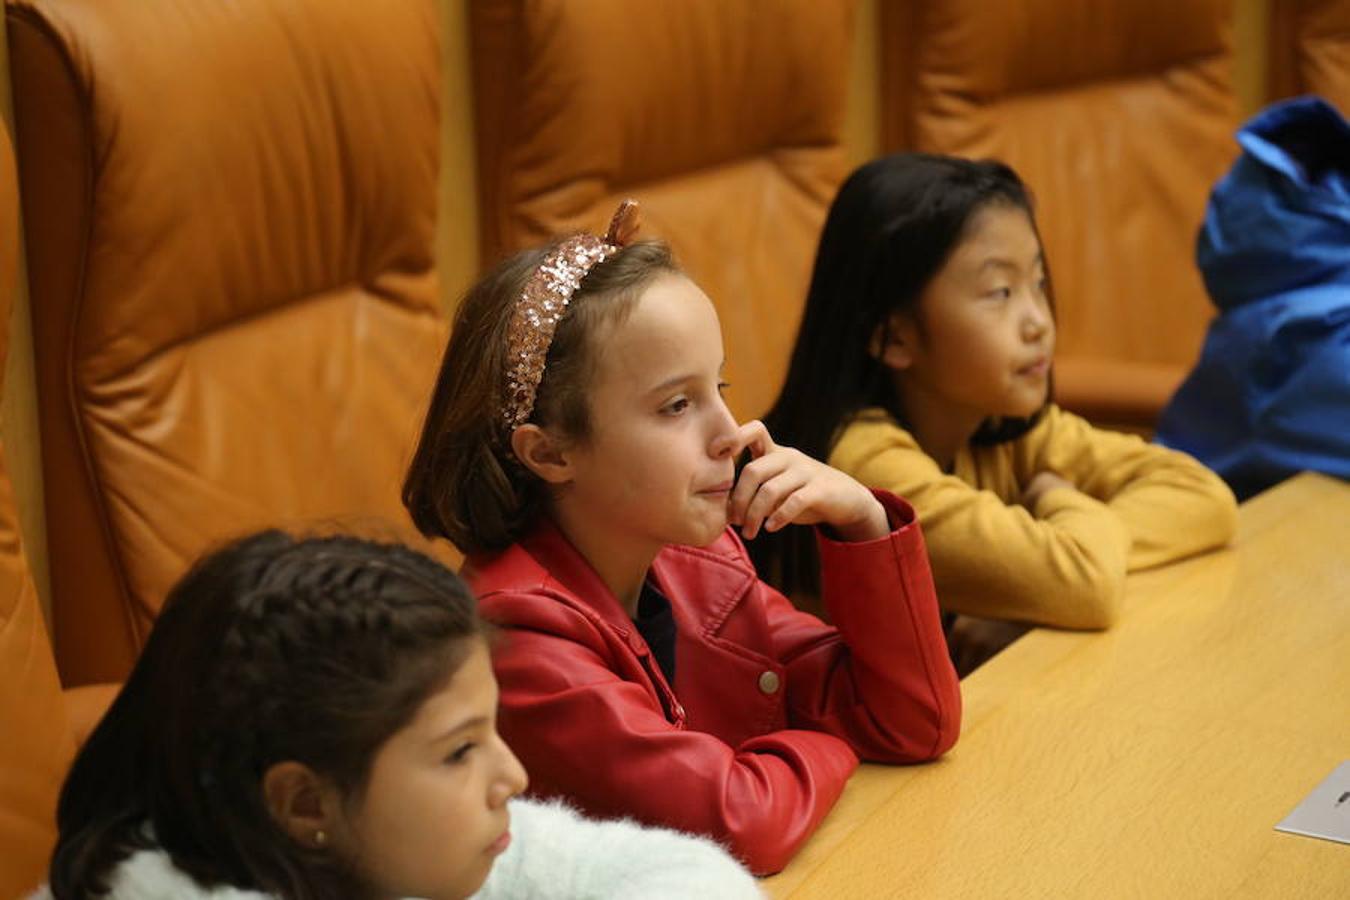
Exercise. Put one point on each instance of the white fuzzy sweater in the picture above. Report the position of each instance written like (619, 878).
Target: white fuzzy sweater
(554, 853)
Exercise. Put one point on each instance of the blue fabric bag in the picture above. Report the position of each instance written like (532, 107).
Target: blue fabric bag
(1270, 395)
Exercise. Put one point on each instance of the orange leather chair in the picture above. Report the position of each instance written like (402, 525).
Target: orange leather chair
(1119, 114)
(229, 212)
(40, 724)
(1310, 50)
(723, 119)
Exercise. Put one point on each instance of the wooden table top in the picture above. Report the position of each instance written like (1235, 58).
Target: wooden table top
(1152, 760)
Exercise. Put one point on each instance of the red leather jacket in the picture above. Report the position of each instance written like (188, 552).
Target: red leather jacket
(770, 709)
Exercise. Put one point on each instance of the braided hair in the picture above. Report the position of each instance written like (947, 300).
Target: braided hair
(274, 648)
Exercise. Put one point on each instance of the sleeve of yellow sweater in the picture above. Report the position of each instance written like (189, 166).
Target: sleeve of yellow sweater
(1063, 567)
(1171, 505)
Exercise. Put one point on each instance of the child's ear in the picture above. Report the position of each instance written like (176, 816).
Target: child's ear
(541, 453)
(301, 803)
(892, 342)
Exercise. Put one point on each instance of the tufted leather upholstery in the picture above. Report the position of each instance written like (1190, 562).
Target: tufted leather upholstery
(723, 119)
(1310, 50)
(1119, 114)
(36, 745)
(230, 211)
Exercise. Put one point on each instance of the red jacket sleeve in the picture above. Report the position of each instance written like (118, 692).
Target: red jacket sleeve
(881, 678)
(568, 716)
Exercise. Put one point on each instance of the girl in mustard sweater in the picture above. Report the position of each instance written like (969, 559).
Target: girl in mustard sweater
(923, 367)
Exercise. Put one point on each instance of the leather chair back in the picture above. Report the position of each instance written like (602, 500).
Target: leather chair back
(229, 212)
(723, 119)
(37, 744)
(1310, 50)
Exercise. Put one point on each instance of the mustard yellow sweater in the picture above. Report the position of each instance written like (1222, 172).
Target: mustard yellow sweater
(1062, 563)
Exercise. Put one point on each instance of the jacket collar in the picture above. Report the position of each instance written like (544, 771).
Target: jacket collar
(546, 559)
(713, 579)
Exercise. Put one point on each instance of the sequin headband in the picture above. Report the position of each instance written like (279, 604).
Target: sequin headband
(541, 305)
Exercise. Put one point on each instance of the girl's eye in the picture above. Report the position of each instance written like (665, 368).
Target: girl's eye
(722, 387)
(675, 407)
(460, 754)
(1042, 285)
(1001, 293)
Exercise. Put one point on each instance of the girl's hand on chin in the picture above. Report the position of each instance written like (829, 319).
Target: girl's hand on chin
(782, 486)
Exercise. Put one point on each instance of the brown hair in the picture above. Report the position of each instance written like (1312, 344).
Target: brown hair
(463, 483)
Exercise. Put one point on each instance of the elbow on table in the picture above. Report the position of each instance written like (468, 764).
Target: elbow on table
(933, 746)
(765, 851)
(1209, 518)
(940, 734)
(1085, 595)
(1097, 604)
(1098, 616)
(909, 741)
(1091, 602)
(948, 730)
(1092, 586)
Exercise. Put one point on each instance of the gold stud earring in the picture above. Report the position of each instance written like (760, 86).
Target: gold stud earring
(320, 838)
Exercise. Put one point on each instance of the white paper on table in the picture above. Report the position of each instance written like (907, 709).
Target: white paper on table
(1325, 813)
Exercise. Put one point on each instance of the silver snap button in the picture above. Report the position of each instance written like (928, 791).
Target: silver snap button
(768, 682)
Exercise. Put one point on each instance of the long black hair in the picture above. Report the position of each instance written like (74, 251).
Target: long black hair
(891, 229)
(274, 648)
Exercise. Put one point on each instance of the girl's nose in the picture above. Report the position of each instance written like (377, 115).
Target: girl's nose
(1035, 319)
(724, 431)
(511, 780)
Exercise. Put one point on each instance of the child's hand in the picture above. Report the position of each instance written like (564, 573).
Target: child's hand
(782, 486)
(1040, 483)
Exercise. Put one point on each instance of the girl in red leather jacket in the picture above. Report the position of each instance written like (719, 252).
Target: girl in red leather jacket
(578, 450)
